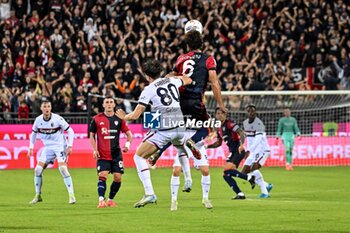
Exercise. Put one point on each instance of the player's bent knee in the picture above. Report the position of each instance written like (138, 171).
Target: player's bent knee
(64, 171)
(38, 170)
(117, 177)
(205, 170)
(226, 173)
(256, 166)
(177, 171)
(103, 174)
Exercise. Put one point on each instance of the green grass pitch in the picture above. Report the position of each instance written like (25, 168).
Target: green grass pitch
(304, 200)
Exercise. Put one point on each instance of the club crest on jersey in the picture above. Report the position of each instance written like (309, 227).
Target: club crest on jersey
(52, 124)
(116, 123)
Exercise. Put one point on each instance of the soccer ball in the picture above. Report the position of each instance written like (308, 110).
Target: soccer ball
(193, 25)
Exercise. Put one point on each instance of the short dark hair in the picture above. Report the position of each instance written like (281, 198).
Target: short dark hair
(152, 68)
(45, 100)
(250, 106)
(194, 40)
(109, 97)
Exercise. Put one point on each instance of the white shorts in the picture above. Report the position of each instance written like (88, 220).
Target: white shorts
(160, 138)
(197, 163)
(259, 157)
(49, 154)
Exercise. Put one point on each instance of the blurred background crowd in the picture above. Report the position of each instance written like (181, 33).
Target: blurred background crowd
(65, 49)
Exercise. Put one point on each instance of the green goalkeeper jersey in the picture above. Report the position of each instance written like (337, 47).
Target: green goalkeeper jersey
(287, 126)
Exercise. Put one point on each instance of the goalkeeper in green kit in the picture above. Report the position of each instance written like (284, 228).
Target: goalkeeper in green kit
(288, 127)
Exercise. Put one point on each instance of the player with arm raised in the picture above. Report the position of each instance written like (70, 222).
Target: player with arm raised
(258, 149)
(51, 128)
(234, 138)
(162, 94)
(105, 129)
(288, 127)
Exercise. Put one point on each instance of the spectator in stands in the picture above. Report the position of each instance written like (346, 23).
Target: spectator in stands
(23, 111)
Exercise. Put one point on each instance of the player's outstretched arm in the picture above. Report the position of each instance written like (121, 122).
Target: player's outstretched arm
(215, 86)
(133, 115)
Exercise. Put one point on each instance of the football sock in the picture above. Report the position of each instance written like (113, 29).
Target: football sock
(174, 187)
(205, 186)
(260, 181)
(38, 179)
(266, 184)
(231, 182)
(144, 174)
(69, 184)
(185, 164)
(67, 178)
(115, 186)
(38, 183)
(235, 173)
(101, 187)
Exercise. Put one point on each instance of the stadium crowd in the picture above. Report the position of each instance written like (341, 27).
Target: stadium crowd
(65, 49)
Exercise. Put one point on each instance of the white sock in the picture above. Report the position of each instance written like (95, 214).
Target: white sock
(174, 187)
(38, 183)
(38, 179)
(185, 165)
(144, 174)
(101, 198)
(205, 186)
(266, 184)
(260, 181)
(69, 184)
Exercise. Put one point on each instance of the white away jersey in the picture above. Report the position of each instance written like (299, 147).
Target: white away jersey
(253, 130)
(51, 131)
(163, 96)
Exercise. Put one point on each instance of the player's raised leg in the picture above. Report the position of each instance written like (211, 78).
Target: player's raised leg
(230, 171)
(144, 151)
(259, 179)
